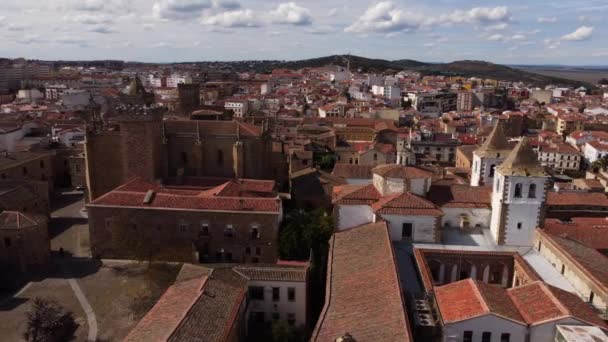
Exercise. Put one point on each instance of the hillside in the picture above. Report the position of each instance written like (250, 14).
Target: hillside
(482, 69)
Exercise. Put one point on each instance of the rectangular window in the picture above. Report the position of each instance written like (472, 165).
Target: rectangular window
(256, 292)
(406, 231)
(258, 251)
(505, 337)
(7, 242)
(486, 336)
(228, 256)
(204, 230)
(276, 294)
(228, 231)
(276, 316)
(183, 227)
(291, 294)
(467, 336)
(291, 319)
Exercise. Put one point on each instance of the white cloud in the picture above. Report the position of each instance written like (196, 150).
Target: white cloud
(89, 19)
(101, 29)
(239, 18)
(547, 19)
(110, 6)
(226, 4)
(581, 33)
(291, 13)
(497, 27)
(496, 38)
(180, 9)
(518, 37)
(478, 15)
(15, 27)
(385, 17)
(552, 43)
(285, 14)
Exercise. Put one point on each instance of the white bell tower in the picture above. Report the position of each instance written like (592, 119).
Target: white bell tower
(491, 154)
(518, 197)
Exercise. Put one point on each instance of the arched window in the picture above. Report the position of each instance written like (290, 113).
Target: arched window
(492, 170)
(532, 191)
(517, 193)
(375, 156)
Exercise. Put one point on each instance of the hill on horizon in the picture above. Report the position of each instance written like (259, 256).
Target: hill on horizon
(465, 68)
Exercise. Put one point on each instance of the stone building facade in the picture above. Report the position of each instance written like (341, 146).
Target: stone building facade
(24, 241)
(188, 223)
(135, 141)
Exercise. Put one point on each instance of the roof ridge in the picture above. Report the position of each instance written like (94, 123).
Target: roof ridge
(554, 299)
(481, 298)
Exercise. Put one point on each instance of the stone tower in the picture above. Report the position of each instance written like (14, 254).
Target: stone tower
(518, 197)
(492, 153)
(141, 140)
(189, 98)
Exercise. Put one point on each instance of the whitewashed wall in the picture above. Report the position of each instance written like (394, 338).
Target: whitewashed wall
(453, 332)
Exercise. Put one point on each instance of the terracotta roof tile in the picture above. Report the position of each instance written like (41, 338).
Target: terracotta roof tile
(133, 193)
(273, 273)
(470, 298)
(576, 198)
(355, 194)
(539, 302)
(160, 322)
(593, 262)
(353, 171)
(590, 231)
(401, 171)
(461, 196)
(405, 204)
(363, 290)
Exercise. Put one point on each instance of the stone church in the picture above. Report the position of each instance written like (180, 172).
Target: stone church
(134, 140)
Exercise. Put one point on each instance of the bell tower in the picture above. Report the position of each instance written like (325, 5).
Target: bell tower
(518, 197)
(491, 154)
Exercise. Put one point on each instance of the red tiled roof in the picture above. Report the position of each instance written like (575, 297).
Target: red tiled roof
(539, 303)
(357, 171)
(576, 198)
(470, 298)
(363, 296)
(133, 193)
(405, 204)
(590, 231)
(461, 196)
(592, 262)
(401, 171)
(165, 316)
(355, 194)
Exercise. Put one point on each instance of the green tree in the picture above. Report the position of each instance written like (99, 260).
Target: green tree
(603, 81)
(283, 332)
(599, 164)
(305, 232)
(47, 321)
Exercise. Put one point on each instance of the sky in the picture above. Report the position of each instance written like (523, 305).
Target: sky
(573, 32)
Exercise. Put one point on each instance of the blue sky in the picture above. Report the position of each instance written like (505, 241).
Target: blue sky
(517, 31)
